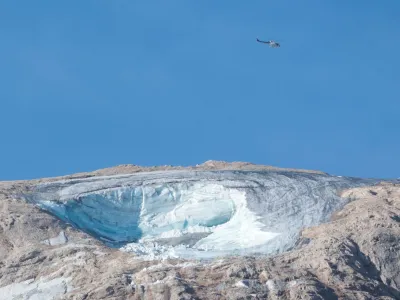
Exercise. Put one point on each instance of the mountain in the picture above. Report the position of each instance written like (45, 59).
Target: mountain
(213, 231)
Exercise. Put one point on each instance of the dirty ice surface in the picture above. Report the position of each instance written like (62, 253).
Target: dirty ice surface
(195, 214)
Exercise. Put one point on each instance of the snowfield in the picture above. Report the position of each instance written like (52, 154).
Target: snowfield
(196, 214)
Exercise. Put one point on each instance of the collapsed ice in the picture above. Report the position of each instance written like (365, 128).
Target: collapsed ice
(198, 214)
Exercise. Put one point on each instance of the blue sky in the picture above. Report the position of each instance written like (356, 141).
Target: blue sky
(97, 83)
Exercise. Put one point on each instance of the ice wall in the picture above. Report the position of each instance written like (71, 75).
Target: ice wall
(196, 214)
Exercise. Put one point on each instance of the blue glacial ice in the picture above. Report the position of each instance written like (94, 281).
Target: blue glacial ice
(196, 214)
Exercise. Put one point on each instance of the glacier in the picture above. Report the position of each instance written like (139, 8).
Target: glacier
(196, 214)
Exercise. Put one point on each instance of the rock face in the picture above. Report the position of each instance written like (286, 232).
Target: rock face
(354, 254)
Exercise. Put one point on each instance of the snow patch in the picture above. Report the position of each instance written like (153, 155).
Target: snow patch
(42, 289)
(242, 284)
(58, 240)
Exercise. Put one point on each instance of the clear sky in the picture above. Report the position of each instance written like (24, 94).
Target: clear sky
(97, 83)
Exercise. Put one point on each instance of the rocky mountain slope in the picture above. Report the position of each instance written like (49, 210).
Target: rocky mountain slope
(353, 254)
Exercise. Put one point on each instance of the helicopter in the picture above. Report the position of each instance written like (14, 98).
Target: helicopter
(272, 44)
